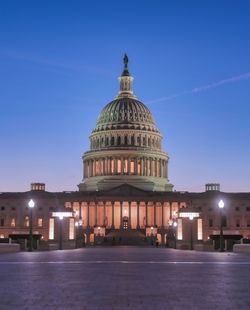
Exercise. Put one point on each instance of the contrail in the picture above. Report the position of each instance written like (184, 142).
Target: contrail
(202, 88)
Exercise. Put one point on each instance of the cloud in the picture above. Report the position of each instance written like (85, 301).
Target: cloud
(202, 88)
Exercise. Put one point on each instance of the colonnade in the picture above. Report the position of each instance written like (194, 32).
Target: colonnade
(140, 166)
(138, 214)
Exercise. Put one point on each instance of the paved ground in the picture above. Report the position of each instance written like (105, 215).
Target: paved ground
(124, 278)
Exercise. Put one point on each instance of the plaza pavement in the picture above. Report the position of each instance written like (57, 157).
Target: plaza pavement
(121, 278)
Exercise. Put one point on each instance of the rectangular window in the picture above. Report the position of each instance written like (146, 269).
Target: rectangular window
(179, 229)
(40, 222)
(237, 223)
(71, 228)
(125, 163)
(112, 166)
(248, 223)
(132, 166)
(210, 223)
(119, 168)
(13, 222)
(224, 221)
(139, 167)
(199, 229)
(51, 228)
(2, 222)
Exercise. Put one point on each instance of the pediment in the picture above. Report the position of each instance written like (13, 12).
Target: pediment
(125, 190)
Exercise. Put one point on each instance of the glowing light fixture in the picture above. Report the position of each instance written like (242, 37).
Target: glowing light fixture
(221, 204)
(31, 203)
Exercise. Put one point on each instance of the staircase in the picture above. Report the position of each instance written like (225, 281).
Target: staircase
(125, 237)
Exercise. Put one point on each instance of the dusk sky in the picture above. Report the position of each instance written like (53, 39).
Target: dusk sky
(59, 66)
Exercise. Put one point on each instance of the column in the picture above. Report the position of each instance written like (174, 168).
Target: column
(151, 167)
(128, 165)
(95, 214)
(162, 214)
(104, 218)
(115, 166)
(121, 215)
(122, 165)
(154, 205)
(80, 209)
(113, 214)
(160, 167)
(129, 221)
(142, 165)
(146, 163)
(88, 214)
(146, 204)
(171, 210)
(156, 167)
(138, 214)
(136, 166)
(166, 169)
(99, 166)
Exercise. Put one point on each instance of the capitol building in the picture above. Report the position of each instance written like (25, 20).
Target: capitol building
(125, 196)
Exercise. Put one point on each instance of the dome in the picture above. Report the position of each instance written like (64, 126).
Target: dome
(125, 111)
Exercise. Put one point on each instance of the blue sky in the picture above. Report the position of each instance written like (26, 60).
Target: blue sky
(59, 64)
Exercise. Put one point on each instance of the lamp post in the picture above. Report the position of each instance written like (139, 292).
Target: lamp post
(191, 217)
(31, 206)
(221, 206)
(175, 226)
(76, 232)
(60, 238)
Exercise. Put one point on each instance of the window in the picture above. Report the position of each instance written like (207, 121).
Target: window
(39, 222)
(13, 222)
(2, 208)
(237, 223)
(40, 208)
(247, 208)
(237, 208)
(132, 166)
(13, 209)
(224, 221)
(26, 221)
(210, 222)
(248, 223)
(119, 167)
(125, 166)
(2, 222)
(51, 208)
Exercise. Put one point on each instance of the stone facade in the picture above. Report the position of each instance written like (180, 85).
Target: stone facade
(125, 196)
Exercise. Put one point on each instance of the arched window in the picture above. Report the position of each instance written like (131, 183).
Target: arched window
(112, 141)
(126, 140)
(107, 141)
(149, 143)
(138, 140)
(144, 141)
(132, 140)
(119, 141)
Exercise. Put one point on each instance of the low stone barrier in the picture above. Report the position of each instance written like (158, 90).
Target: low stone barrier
(203, 247)
(9, 247)
(241, 248)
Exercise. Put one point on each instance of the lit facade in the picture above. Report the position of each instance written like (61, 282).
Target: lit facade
(125, 196)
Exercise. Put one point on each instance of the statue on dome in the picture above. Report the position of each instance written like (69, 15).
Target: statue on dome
(125, 59)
